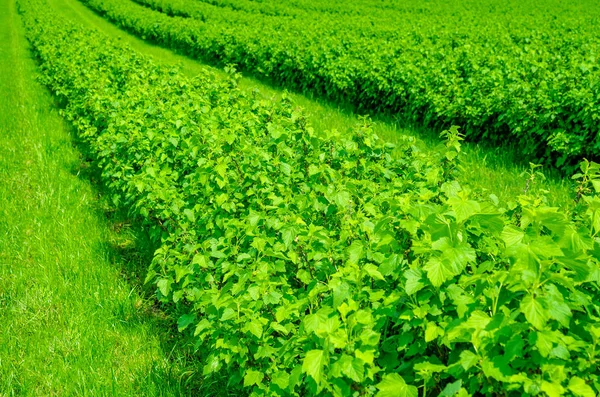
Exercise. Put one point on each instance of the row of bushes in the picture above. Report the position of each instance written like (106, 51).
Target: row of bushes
(510, 72)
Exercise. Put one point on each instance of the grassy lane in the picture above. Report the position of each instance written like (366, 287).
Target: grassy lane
(496, 169)
(70, 324)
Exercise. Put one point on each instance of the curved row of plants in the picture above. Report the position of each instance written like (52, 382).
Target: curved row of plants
(507, 72)
(309, 263)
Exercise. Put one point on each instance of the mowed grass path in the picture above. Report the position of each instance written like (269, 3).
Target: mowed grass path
(70, 322)
(496, 170)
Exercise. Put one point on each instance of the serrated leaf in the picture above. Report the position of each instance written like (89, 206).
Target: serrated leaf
(463, 207)
(437, 273)
(281, 379)
(535, 313)
(451, 389)
(189, 214)
(341, 291)
(228, 314)
(164, 286)
(557, 308)
(578, 387)
(454, 257)
(352, 368)
(512, 235)
(184, 321)
(272, 297)
(254, 292)
(253, 377)
(181, 272)
(393, 385)
(544, 342)
(355, 252)
(253, 218)
(313, 364)
(514, 347)
(389, 265)
(202, 325)
(468, 359)
(255, 328)
(212, 365)
(432, 331)
(373, 272)
(200, 260)
(366, 356)
(413, 281)
(288, 234)
(426, 369)
(552, 389)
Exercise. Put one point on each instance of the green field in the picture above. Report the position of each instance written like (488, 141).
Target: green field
(514, 70)
(173, 228)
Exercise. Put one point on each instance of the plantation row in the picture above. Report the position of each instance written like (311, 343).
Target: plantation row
(308, 263)
(508, 72)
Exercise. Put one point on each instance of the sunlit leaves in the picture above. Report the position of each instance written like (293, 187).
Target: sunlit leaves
(313, 364)
(535, 311)
(393, 385)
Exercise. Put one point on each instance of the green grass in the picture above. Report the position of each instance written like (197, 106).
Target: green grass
(496, 170)
(73, 320)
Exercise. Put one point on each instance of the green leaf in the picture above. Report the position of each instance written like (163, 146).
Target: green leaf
(451, 389)
(281, 379)
(552, 389)
(491, 223)
(389, 265)
(514, 347)
(373, 272)
(393, 385)
(463, 207)
(512, 235)
(342, 199)
(189, 214)
(228, 314)
(427, 369)
(468, 359)
(366, 356)
(164, 286)
(313, 364)
(296, 376)
(413, 281)
(272, 297)
(437, 273)
(352, 368)
(454, 257)
(535, 313)
(355, 252)
(212, 365)
(544, 342)
(341, 291)
(185, 320)
(253, 377)
(200, 260)
(557, 308)
(432, 331)
(288, 234)
(255, 328)
(578, 387)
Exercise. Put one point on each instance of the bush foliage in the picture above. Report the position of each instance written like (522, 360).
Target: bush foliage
(510, 71)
